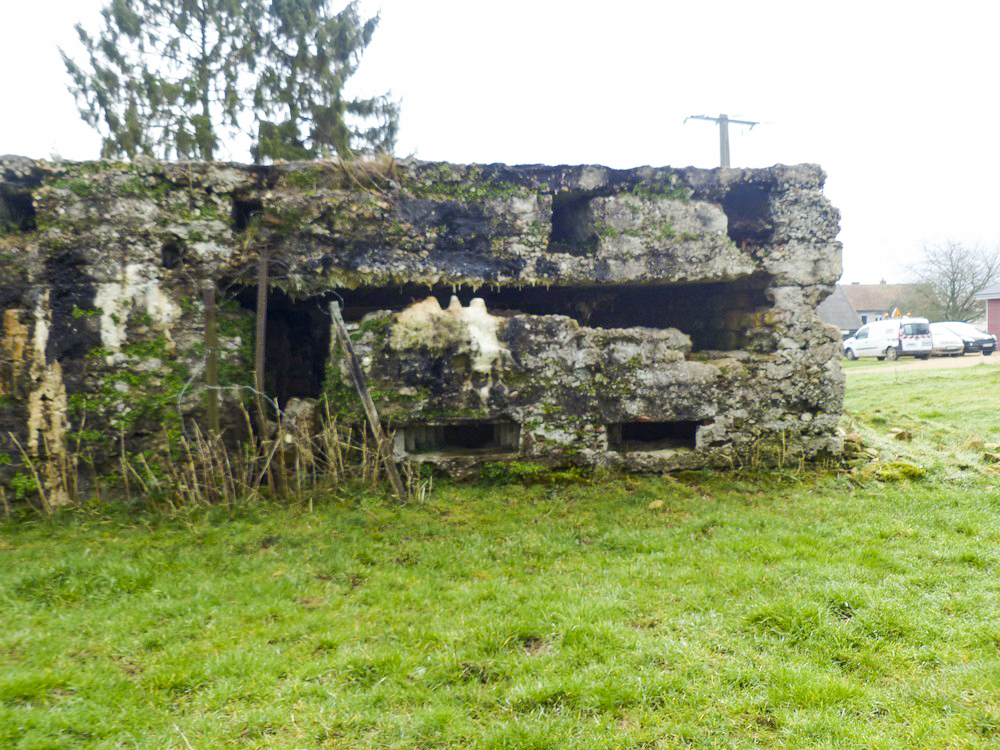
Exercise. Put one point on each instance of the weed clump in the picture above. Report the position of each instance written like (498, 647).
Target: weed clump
(892, 471)
(528, 472)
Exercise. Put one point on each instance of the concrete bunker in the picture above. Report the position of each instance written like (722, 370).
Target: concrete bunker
(648, 319)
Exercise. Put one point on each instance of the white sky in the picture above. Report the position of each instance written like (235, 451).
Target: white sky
(897, 101)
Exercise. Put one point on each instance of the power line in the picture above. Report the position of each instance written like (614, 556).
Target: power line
(723, 122)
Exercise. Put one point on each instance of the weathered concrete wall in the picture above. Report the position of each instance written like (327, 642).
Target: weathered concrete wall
(648, 318)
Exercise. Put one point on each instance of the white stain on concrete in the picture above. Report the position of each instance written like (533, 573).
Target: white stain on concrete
(468, 329)
(137, 289)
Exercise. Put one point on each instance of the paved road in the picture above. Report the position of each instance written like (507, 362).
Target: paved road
(907, 364)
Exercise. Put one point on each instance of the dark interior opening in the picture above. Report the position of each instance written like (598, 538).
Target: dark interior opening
(572, 224)
(651, 436)
(296, 343)
(172, 254)
(710, 313)
(748, 209)
(463, 438)
(244, 210)
(17, 212)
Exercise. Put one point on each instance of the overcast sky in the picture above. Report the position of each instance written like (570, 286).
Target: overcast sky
(897, 101)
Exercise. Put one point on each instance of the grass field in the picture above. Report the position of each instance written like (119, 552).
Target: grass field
(776, 609)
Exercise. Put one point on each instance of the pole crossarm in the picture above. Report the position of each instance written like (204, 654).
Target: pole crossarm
(721, 117)
(723, 123)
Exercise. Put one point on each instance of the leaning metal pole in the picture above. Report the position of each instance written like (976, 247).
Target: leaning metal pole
(385, 449)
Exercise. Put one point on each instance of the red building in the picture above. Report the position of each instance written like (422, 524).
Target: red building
(992, 296)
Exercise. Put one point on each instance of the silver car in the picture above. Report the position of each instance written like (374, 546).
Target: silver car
(947, 343)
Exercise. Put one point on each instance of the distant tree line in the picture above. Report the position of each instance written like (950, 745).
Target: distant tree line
(172, 79)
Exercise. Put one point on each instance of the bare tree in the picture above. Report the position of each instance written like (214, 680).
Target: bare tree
(954, 273)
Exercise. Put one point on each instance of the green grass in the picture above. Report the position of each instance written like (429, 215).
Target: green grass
(951, 416)
(779, 609)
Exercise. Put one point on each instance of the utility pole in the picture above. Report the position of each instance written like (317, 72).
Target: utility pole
(723, 121)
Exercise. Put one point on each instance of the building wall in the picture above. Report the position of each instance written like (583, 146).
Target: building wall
(993, 316)
(871, 316)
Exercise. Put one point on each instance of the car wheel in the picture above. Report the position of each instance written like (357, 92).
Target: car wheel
(923, 356)
(891, 353)
(879, 358)
(986, 354)
(850, 355)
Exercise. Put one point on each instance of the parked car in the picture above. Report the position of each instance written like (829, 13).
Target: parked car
(973, 339)
(890, 339)
(947, 343)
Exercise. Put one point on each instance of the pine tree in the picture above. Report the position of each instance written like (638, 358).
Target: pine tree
(308, 55)
(163, 76)
(172, 78)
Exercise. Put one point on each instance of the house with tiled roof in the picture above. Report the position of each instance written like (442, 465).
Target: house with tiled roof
(837, 310)
(877, 301)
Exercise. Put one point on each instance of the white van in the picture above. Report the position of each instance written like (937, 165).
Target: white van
(890, 339)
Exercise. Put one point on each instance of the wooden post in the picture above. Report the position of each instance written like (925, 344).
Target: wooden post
(724, 140)
(258, 365)
(259, 342)
(385, 449)
(211, 360)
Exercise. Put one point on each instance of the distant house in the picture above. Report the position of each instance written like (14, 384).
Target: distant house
(991, 295)
(877, 301)
(838, 310)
